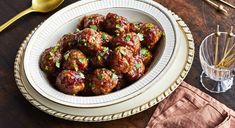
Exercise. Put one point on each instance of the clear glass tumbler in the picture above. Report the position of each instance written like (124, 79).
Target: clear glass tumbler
(213, 78)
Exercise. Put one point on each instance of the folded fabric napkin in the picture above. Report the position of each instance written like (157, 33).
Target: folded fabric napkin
(188, 107)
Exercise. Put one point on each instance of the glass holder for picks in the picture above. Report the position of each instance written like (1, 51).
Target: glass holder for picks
(217, 57)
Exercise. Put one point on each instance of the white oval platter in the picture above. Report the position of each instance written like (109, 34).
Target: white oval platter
(171, 80)
(65, 21)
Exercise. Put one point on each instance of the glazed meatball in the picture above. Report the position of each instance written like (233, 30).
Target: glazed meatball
(70, 82)
(94, 21)
(101, 57)
(130, 40)
(146, 56)
(89, 41)
(135, 27)
(121, 59)
(50, 60)
(75, 60)
(68, 41)
(116, 25)
(151, 33)
(103, 81)
(137, 70)
(106, 39)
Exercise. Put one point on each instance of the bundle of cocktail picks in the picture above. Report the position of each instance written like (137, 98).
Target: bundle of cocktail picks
(228, 58)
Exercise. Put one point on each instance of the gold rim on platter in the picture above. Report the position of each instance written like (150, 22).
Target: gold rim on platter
(20, 80)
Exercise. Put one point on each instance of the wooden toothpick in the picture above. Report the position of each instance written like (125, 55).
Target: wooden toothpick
(230, 35)
(217, 34)
(216, 6)
(227, 3)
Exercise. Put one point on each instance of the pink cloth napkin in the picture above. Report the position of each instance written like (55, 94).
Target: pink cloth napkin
(188, 107)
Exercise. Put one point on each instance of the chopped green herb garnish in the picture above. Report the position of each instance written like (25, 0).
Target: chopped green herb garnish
(81, 75)
(116, 16)
(122, 52)
(46, 68)
(163, 34)
(128, 38)
(82, 60)
(144, 51)
(75, 67)
(77, 30)
(90, 85)
(94, 27)
(150, 25)
(100, 76)
(51, 58)
(137, 23)
(99, 58)
(57, 64)
(118, 26)
(70, 44)
(57, 45)
(141, 36)
(83, 41)
(51, 54)
(90, 17)
(114, 76)
(135, 39)
(54, 49)
(93, 38)
(117, 33)
(104, 36)
(138, 65)
(113, 70)
(66, 56)
(106, 49)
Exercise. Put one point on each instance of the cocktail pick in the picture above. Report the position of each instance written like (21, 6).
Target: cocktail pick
(230, 34)
(216, 6)
(217, 34)
(227, 3)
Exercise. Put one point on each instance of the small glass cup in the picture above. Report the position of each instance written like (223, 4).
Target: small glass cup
(216, 79)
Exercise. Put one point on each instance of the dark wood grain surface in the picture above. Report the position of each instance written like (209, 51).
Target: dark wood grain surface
(17, 112)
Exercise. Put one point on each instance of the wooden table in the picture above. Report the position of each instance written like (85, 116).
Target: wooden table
(17, 112)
